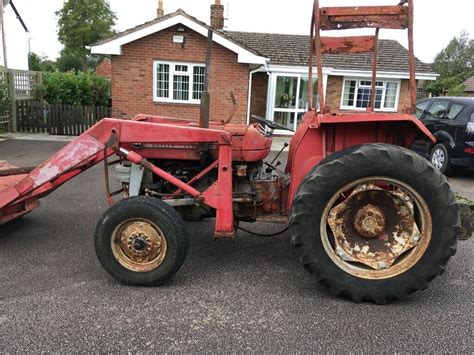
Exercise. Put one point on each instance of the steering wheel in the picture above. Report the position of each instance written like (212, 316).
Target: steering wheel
(270, 124)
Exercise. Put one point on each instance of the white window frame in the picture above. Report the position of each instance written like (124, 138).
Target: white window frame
(358, 80)
(172, 72)
(271, 99)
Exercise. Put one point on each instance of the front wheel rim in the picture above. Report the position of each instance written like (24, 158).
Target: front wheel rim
(361, 234)
(139, 245)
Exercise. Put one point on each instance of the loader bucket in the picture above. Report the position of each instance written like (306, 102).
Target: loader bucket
(11, 175)
(21, 188)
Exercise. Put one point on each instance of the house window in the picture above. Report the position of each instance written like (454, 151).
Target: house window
(356, 94)
(290, 100)
(178, 82)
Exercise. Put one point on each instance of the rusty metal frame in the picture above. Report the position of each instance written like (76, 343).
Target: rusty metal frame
(341, 18)
(109, 194)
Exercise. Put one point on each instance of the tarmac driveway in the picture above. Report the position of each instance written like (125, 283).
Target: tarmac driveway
(250, 294)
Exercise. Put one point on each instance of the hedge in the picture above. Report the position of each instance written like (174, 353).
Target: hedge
(75, 88)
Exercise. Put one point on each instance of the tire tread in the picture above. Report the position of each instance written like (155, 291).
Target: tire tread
(323, 175)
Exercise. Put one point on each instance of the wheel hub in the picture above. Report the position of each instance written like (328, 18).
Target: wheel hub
(438, 158)
(374, 226)
(139, 245)
(139, 242)
(369, 221)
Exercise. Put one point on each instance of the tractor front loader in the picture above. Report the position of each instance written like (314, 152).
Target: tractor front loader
(370, 219)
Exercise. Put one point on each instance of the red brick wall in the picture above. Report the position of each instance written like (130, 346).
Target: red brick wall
(334, 92)
(258, 101)
(104, 69)
(132, 77)
(404, 100)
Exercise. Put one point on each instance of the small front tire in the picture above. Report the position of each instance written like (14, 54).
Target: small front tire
(141, 241)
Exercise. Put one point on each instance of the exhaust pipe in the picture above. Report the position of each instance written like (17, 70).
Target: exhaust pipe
(205, 97)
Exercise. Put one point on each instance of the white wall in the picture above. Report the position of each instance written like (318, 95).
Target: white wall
(16, 41)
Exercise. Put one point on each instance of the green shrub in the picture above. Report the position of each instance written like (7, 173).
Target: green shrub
(4, 98)
(75, 88)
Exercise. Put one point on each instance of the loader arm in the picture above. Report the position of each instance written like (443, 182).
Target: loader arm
(106, 138)
(21, 192)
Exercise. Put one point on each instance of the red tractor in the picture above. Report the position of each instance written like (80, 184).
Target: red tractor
(370, 219)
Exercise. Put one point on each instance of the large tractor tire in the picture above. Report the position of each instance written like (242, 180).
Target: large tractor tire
(141, 241)
(374, 223)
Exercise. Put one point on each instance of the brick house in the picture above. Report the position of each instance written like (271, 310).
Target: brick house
(158, 68)
(104, 69)
(469, 86)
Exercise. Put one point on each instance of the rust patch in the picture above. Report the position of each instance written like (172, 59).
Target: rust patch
(341, 45)
(374, 227)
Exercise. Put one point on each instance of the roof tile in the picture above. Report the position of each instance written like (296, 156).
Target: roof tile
(285, 49)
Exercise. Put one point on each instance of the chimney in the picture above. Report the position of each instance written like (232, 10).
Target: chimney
(160, 12)
(217, 15)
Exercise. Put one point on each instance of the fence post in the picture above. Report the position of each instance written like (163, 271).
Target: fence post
(11, 90)
(39, 79)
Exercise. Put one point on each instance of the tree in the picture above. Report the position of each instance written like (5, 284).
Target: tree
(67, 61)
(48, 65)
(40, 63)
(454, 64)
(457, 57)
(34, 61)
(82, 23)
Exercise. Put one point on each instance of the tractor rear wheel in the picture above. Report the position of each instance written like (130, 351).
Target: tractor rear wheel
(141, 241)
(374, 223)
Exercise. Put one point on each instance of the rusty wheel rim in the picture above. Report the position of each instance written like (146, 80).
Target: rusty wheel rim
(139, 245)
(376, 227)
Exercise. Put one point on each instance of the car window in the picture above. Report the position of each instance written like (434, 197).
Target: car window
(438, 109)
(421, 107)
(454, 111)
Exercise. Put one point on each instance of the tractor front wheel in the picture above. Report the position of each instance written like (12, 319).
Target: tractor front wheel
(141, 241)
(374, 223)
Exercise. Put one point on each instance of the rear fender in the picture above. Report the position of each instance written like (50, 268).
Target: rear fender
(321, 135)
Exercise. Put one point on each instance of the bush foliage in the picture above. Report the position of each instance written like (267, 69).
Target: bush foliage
(4, 98)
(75, 88)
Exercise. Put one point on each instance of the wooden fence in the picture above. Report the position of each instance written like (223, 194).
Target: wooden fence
(20, 85)
(34, 117)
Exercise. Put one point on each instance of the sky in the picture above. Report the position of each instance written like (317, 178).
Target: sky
(436, 21)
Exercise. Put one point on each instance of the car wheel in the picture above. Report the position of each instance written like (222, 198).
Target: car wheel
(439, 157)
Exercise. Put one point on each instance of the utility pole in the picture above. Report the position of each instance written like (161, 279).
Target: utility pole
(2, 25)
